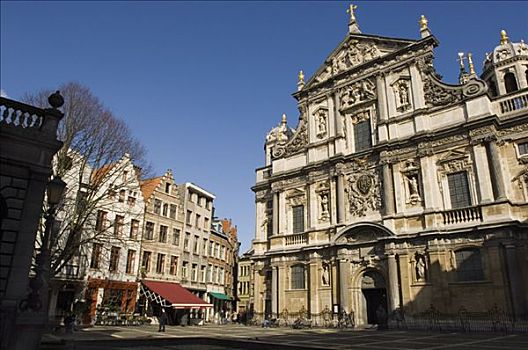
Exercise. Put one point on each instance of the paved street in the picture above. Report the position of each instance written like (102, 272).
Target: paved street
(213, 337)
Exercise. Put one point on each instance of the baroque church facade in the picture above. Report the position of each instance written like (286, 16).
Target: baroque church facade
(396, 190)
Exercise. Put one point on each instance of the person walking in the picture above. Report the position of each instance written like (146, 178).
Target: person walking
(162, 320)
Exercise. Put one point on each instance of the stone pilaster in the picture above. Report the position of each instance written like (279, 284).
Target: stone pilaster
(497, 181)
(275, 213)
(517, 291)
(274, 291)
(340, 189)
(343, 284)
(394, 290)
(388, 189)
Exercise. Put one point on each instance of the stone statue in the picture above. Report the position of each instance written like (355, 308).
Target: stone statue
(404, 94)
(321, 125)
(420, 268)
(324, 202)
(413, 185)
(325, 276)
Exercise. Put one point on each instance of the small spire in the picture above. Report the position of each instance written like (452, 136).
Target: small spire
(283, 120)
(424, 29)
(300, 80)
(471, 65)
(504, 37)
(352, 24)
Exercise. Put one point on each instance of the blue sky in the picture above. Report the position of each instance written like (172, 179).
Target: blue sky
(201, 83)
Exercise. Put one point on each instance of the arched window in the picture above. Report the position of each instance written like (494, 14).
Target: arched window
(510, 82)
(298, 280)
(469, 265)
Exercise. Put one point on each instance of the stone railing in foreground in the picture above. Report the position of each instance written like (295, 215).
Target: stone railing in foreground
(296, 239)
(462, 215)
(513, 102)
(18, 117)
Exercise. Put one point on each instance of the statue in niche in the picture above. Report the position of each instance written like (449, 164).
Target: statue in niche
(420, 267)
(413, 185)
(403, 92)
(324, 206)
(321, 124)
(414, 192)
(325, 275)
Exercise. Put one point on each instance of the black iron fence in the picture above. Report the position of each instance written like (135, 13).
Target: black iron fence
(492, 320)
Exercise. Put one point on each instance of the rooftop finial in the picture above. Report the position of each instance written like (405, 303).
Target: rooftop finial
(462, 76)
(352, 24)
(471, 65)
(300, 80)
(283, 120)
(424, 29)
(504, 37)
(461, 59)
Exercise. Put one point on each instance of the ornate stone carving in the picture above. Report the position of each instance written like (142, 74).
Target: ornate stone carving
(360, 116)
(438, 94)
(296, 142)
(353, 54)
(515, 129)
(323, 194)
(474, 87)
(358, 92)
(448, 140)
(454, 161)
(296, 197)
(363, 192)
(261, 195)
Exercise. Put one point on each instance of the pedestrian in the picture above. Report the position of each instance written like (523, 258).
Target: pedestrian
(162, 320)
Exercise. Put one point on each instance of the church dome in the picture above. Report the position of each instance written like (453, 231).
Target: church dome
(505, 51)
(281, 133)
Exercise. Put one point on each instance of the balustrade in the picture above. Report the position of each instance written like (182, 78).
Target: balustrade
(296, 239)
(462, 215)
(514, 103)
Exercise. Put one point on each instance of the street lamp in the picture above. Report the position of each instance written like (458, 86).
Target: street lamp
(54, 192)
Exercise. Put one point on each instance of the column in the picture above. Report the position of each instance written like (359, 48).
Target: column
(313, 286)
(309, 207)
(394, 290)
(274, 289)
(388, 189)
(343, 284)
(340, 189)
(382, 103)
(275, 213)
(337, 116)
(496, 170)
(516, 287)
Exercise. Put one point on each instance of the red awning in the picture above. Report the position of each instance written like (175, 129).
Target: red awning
(175, 295)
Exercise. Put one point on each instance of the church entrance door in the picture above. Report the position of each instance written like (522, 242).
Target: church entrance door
(375, 296)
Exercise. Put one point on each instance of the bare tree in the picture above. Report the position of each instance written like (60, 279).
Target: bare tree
(91, 163)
